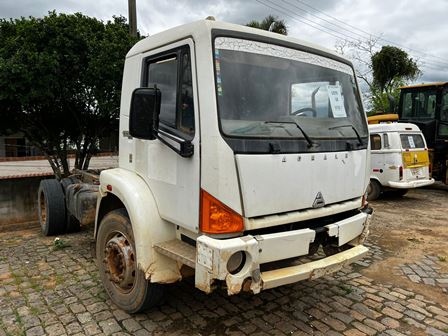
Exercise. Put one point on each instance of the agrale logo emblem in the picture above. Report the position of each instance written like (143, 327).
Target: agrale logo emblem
(319, 201)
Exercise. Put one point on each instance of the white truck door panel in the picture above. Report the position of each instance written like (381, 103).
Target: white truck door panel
(173, 179)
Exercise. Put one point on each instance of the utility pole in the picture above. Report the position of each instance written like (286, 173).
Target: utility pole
(132, 17)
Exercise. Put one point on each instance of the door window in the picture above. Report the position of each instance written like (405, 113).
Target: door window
(375, 141)
(443, 127)
(172, 75)
(419, 105)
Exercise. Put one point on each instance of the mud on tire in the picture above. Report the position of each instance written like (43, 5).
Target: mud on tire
(117, 263)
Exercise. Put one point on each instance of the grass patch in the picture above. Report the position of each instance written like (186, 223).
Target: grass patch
(346, 289)
(17, 278)
(442, 259)
(59, 279)
(59, 244)
(34, 310)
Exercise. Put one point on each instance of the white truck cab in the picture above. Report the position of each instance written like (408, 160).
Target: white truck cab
(239, 149)
(400, 159)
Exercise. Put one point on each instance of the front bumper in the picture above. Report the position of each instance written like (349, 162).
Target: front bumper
(212, 256)
(410, 184)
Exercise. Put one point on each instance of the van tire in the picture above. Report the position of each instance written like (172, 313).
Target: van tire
(373, 190)
(117, 263)
(51, 207)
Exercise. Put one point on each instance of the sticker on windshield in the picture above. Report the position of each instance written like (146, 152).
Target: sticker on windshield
(218, 72)
(411, 141)
(336, 101)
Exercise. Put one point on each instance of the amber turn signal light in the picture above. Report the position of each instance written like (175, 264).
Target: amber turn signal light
(217, 217)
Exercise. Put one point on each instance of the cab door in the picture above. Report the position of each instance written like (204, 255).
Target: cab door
(173, 179)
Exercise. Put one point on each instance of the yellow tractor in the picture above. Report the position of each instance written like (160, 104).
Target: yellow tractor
(425, 105)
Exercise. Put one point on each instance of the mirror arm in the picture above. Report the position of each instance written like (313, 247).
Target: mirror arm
(186, 147)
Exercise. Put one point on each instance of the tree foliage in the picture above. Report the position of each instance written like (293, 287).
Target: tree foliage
(377, 96)
(270, 23)
(391, 65)
(60, 82)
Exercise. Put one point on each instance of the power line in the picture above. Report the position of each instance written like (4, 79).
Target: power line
(318, 27)
(332, 32)
(320, 18)
(365, 32)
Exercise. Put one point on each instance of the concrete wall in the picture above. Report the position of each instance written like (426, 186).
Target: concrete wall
(18, 202)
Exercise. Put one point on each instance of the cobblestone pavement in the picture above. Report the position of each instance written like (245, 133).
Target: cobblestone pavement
(426, 271)
(49, 291)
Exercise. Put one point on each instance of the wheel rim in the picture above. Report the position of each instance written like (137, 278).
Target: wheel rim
(119, 262)
(43, 209)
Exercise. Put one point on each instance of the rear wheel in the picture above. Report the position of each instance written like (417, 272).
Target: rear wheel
(373, 190)
(51, 207)
(117, 263)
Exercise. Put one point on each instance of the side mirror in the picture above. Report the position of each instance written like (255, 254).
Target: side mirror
(144, 113)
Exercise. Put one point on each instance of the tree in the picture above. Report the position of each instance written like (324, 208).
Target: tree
(362, 53)
(270, 23)
(60, 81)
(391, 65)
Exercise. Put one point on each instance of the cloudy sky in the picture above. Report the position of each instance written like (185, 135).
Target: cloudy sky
(420, 26)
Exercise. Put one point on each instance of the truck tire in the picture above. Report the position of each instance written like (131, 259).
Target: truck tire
(51, 207)
(117, 263)
(373, 190)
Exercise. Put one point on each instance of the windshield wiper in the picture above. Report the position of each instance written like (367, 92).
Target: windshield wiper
(307, 138)
(353, 128)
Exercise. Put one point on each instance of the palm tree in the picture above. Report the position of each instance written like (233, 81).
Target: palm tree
(270, 23)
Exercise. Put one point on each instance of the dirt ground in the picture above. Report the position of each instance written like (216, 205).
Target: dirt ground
(400, 288)
(410, 228)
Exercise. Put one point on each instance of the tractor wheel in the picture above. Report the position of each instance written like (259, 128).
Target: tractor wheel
(117, 262)
(51, 207)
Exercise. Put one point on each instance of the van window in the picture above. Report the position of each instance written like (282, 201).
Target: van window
(386, 141)
(375, 141)
(410, 141)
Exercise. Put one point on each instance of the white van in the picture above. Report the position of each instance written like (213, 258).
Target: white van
(399, 159)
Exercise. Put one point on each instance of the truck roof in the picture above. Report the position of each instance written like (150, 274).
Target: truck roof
(423, 85)
(394, 127)
(201, 31)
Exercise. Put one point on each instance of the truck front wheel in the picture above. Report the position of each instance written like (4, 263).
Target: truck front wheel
(117, 263)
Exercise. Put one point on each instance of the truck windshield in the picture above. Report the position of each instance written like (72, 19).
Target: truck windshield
(265, 90)
(419, 105)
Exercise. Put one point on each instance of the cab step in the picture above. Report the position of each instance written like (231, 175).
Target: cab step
(178, 250)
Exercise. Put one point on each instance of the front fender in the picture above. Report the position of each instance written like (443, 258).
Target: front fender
(147, 225)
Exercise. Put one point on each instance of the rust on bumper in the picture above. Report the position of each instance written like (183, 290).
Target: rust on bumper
(312, 270)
